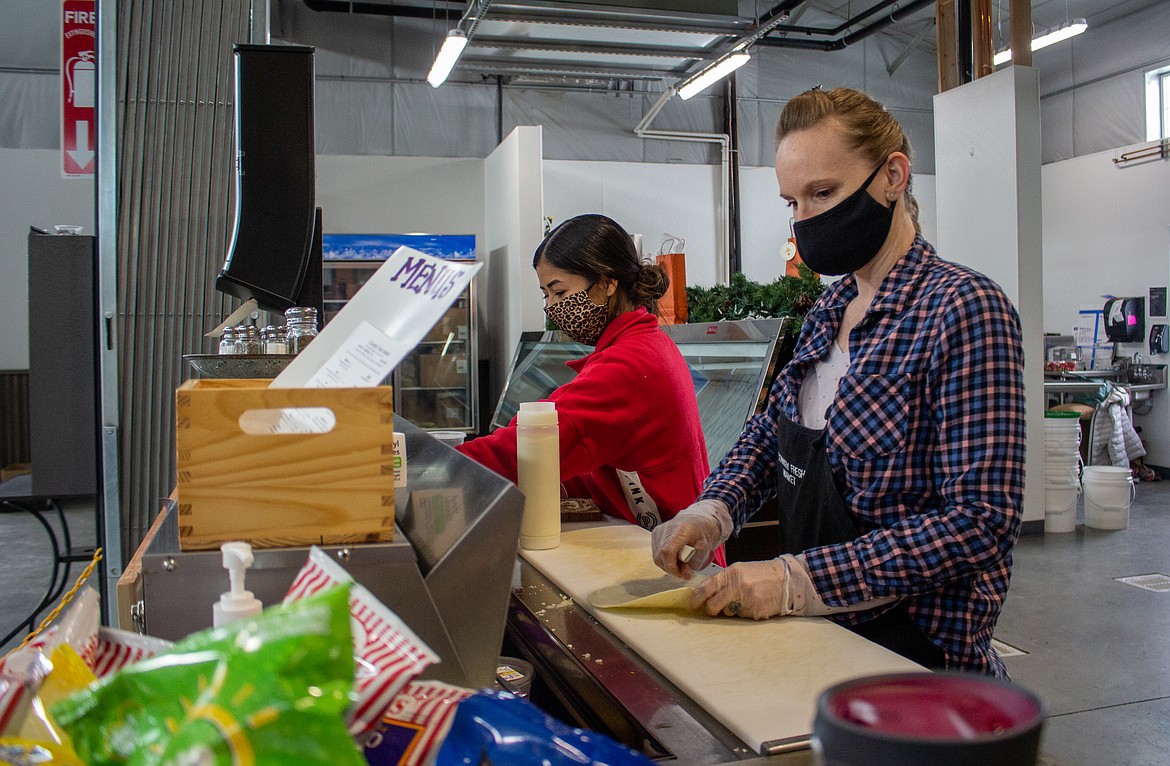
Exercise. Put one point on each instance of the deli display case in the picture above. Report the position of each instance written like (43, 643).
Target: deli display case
(732, 365)
(436, 386)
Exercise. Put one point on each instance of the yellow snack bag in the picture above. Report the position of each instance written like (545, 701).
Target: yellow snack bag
(70, 674)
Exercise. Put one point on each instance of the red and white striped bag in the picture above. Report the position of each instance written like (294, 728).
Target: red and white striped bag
(415, 724)
(21, 674)
(22, 671)
(387, 653)
(116, 649)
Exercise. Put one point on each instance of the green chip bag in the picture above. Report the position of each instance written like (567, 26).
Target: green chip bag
(271, 691)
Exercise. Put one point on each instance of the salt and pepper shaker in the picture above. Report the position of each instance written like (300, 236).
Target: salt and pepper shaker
(301, 322)
(274, 340)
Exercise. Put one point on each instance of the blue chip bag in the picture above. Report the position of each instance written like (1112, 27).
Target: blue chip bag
(497, 728)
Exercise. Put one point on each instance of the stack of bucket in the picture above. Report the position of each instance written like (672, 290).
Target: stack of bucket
(1108, 492)
(1062, 462)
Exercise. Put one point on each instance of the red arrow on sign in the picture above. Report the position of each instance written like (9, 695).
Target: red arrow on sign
(82, 155)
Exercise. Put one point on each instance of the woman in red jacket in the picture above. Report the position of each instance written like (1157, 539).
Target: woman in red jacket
(629, 423)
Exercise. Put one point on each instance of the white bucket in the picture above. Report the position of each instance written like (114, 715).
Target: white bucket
(1061, 464)
(1071, 449)
(1109, 490)
(1060, 507)
(1062, 448)
(1062, 474)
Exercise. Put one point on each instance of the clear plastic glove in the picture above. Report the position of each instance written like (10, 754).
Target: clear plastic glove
(755, 589)
(704, 526)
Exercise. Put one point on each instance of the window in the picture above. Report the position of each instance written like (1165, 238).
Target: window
(1158, 104)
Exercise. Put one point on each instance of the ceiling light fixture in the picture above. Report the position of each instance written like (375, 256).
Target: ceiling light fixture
(1063, 32)
(713, 74)
(449, 54)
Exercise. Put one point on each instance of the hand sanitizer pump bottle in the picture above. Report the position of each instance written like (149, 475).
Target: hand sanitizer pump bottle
(237, 603)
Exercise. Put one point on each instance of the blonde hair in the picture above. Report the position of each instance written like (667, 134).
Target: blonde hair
(865, 124)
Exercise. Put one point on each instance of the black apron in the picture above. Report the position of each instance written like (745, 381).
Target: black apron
(813, 513)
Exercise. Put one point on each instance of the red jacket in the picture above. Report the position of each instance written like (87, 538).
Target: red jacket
(631, 408)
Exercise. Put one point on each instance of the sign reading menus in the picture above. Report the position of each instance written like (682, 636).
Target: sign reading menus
(381, 324)
(78, 88)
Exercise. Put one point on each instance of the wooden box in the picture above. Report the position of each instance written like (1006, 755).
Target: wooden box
(283, 489)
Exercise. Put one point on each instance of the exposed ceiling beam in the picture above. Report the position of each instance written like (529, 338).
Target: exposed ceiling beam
(383, 9)
(585, 48)
(896, 14)
(616, 17)
(495, 66)
(927, 28)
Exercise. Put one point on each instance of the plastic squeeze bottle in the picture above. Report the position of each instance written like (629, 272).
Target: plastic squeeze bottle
(237, 603)
(538, 473)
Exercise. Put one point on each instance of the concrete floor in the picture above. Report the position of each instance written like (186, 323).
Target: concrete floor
(1098, 651)
(26, 560)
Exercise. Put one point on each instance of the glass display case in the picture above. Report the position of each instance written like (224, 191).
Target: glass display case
(436, 386)
(732, 365)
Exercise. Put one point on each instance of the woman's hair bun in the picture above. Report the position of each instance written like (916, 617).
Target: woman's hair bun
(650, 284)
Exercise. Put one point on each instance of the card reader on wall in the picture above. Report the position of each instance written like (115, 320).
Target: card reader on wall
(1125, 320)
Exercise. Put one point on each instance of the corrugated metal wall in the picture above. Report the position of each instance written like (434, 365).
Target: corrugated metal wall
(14, 433)
(175, 146)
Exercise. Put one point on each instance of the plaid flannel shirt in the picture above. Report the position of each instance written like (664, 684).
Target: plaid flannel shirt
(925, 438)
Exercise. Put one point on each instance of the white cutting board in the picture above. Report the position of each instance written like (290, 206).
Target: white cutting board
(759, 679)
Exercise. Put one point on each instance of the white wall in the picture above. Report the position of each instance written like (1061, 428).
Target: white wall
(32, 193)
(513, 208)
(648, 199)
(397, 195)
(989, 206)
(1107, 232)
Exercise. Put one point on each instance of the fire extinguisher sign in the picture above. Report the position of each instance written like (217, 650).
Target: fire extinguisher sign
(78, 87)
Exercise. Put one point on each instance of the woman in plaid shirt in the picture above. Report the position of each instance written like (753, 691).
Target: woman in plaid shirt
(894, 438)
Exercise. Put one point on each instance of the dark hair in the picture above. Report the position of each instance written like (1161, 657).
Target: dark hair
(865, 123)
(596, 247)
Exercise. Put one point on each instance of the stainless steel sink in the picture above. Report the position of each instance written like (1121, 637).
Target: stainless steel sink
(1146, 374)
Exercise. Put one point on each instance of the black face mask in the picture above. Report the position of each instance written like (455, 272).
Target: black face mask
(846, 236)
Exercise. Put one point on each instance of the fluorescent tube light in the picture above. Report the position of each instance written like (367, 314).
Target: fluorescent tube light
(713, 74)
(449, 54)
(1063, 32)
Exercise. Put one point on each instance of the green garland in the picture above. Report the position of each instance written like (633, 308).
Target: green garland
(745, 299)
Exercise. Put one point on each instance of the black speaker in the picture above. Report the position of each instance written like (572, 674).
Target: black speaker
(275, 176)
(62, 364)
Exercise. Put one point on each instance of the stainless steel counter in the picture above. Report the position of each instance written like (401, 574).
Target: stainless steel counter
(1088, 382)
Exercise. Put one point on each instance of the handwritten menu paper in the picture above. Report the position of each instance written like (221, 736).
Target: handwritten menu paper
(381, 324)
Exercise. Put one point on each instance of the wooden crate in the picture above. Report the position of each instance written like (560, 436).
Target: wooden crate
(275, 490)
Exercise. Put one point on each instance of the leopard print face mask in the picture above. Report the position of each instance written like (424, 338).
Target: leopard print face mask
(579, 317)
